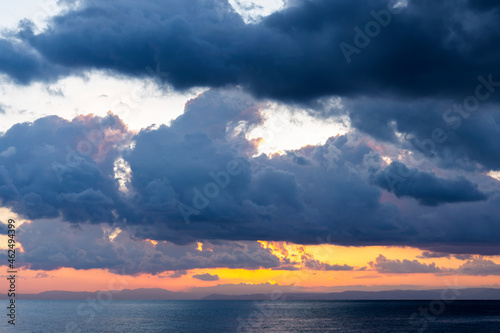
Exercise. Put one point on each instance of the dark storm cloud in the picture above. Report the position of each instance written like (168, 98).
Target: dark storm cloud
(429, 48)
(484, 5)
(198, 179)
(3, 228)
(23, 65)
(427, 59)
(425, 187)
(313, 195)
(455, 135)
(268, 199)
(53, 167)
(302, 196)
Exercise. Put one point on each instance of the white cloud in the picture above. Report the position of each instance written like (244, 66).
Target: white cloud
(253, 10)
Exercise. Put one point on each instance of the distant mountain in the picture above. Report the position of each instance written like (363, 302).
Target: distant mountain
(458, 294)
(125, 294)
(163, 294)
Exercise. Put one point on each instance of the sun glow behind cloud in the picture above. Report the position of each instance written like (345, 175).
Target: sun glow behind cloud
(253, 10)
(287, 128)
(495, 175)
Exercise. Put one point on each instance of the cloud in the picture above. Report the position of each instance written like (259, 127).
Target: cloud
(293, 54)
(3, 228)
(23, 64)
(314, 264)
(427, 188)
(178, 274)
(388, 266)
(206, 277)
(174, 275)
(413, 110)
(448, 131)
(54, 167)
(463, 256)
(432, 255)
(479, 266)
(276, 192)
(52, 244)
(202, 182)
(301, 61)
(42, 275)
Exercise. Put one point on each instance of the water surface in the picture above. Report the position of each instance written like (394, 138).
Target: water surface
(254, 316)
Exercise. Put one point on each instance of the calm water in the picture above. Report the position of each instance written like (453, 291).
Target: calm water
(254, 316)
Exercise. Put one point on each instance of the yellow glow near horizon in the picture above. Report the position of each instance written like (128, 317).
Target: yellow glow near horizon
(294, 275)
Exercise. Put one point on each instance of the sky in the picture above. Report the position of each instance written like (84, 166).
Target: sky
(245, 146)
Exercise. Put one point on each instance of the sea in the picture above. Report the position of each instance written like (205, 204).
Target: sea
(71, 316)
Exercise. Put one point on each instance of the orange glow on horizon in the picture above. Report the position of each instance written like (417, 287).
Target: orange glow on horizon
(294, 276)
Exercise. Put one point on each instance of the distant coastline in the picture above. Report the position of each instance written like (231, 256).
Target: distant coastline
(163, 294)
